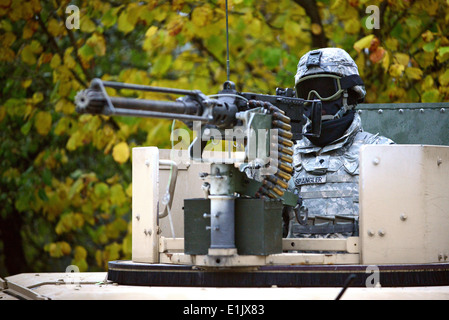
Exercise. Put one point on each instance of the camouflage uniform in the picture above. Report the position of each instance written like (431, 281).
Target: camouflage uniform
(327, 177)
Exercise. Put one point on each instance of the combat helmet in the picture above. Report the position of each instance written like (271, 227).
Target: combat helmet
(329, 74)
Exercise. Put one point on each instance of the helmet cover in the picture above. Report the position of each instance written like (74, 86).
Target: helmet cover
(329, 61)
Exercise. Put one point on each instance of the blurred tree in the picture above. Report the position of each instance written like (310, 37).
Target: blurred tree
(66, 179)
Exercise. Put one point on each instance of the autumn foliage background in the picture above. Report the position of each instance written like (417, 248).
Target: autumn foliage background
(66, 178)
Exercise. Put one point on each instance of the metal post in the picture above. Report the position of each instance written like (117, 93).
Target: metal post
(222, 205)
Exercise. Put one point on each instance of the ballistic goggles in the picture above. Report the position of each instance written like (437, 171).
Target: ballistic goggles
(325, 87)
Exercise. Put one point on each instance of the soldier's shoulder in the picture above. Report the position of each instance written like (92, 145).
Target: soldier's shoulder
(369, 138)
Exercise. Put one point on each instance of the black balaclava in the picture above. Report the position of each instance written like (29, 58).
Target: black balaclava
(332, 129)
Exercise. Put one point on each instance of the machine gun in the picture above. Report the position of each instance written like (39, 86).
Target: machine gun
(266, 125)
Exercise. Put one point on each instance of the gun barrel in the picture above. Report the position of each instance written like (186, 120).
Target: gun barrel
(94, 101)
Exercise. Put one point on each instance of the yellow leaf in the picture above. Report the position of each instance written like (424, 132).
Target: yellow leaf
(129, 190)
(427, 36)
(37, 97)
(98, 43)
(402, 58)
(27, 55)
(151, 31)
(65, 248)
(128, 19)
(87, 25)
(69, 61)
(363, 43)
(444, 78)
(120, 152)
(54, 27)
(36, 47)
(42, 122)
(175, 26)
(396, 70)
(352, 26)
(26, 83)
(6, 54)
(316, 28)
(65, 106)
(55, 61)
(202, 15)
(177, 4)
(428, 83)
(29, 29)
(414, 73)
(7, 39)
(80, 253)
(58, 249)
(117, 195)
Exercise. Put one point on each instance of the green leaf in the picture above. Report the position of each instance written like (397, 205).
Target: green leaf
(431, 96)
(429, 47)
(46, 176)
(443, 50)
(161, 65)
(109, 18)
(86, 52)
(75, 188)
(272, 57)
(42, 195)
(101, 190)
(25, 129)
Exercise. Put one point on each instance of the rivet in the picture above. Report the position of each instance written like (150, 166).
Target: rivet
(138, 217)
(147, 162)
(359, 111)
(442, 110)
(439, 161)
(381, 232)
(380, 111)
(440, 257)
(403, 216)
(421, 110)
(376, 161)
(371, 233)
(401, 111)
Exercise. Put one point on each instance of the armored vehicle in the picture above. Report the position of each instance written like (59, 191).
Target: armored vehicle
(208, 224)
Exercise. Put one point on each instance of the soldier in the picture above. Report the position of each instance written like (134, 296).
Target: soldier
(326, 166)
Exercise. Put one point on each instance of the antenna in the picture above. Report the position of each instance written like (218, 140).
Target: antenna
(227, 42)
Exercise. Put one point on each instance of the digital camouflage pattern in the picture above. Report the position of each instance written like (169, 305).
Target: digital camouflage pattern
(327, 178)
(333, 60)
